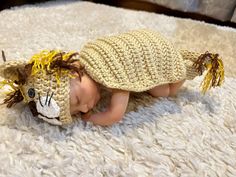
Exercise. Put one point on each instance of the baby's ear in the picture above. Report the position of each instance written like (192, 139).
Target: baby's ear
(10, 69)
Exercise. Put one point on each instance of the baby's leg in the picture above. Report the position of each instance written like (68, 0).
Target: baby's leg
(166, 90)
(174, 87)
(160, 91)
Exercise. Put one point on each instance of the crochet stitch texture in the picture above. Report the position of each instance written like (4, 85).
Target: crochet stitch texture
(136, 61)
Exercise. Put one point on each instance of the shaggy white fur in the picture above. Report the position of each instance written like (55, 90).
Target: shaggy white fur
(190, 135)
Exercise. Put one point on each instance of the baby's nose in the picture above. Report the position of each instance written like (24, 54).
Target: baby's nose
(84, 108)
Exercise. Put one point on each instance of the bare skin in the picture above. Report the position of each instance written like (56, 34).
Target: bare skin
(84, 96)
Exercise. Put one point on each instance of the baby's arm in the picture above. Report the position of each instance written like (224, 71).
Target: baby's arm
(115, 111)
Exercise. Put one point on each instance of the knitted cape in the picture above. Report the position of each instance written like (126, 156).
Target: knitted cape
(140, 60)
(134, 61)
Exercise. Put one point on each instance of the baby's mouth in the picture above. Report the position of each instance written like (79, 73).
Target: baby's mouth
(83, 113)
(86, 111)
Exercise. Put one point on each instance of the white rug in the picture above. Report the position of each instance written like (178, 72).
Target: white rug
(190, 135)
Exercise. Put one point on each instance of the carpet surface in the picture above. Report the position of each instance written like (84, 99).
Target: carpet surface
(190, 135)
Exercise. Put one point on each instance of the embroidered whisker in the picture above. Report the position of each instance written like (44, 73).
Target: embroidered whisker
(40, 100)
(50, 99)
(46, 98)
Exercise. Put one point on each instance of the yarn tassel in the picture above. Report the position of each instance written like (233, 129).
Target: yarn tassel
(215, 70)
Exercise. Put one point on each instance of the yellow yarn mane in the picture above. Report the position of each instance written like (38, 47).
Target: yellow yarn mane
(43, 60)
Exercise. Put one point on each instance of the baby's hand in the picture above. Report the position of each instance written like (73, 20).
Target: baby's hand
(115, 111)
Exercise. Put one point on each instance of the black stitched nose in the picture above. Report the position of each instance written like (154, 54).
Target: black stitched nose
(32, 106)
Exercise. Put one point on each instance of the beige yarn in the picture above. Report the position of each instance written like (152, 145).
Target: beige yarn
(189, 58)
(136, 61)
(42, 83)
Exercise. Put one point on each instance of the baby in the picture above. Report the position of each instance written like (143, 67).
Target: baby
(140, 60)
(85, 94)
(56, 84)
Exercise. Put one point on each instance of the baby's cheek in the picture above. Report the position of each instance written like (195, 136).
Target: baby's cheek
(72, 105)
(72, 96)
(73, 109)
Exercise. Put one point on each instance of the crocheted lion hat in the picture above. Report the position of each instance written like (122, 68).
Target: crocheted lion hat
(42, 83)
(135, 61)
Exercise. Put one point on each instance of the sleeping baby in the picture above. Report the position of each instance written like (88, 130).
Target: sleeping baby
(57, 85)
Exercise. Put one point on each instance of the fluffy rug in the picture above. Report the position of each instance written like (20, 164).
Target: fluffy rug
(190, 135)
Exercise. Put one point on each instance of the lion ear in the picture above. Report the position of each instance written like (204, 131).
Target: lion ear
(10, 69)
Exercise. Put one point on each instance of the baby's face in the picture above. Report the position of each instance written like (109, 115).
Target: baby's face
(84, 94)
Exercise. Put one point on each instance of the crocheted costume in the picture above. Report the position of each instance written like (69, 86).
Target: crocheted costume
(135, 61)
